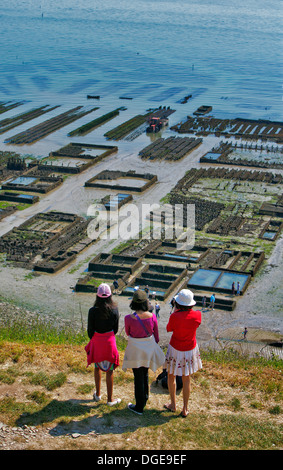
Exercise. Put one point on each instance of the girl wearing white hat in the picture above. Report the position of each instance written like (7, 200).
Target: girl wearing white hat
(182, 357)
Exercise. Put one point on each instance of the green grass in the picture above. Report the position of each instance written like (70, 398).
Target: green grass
(37, 331)
(50, 382)
(38, 397)
(94, 282)
(235, 403)
(240, 361)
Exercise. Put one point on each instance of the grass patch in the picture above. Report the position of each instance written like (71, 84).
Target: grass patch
(8, 376)
(241, 432)
(38, 397)
(50, 382)
(275, 410)
(12, 409)
(85, 389)
(235, 402)
(39, 331)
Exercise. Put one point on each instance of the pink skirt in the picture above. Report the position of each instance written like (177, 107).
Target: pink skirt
(102, 347)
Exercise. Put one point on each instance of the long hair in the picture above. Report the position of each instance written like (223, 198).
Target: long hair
(105, 304)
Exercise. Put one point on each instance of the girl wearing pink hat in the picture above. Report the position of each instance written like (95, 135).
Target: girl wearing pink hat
(103, 323)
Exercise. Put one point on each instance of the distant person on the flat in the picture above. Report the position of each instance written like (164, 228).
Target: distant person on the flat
(157, 309)
(115, 286)
(212, 301)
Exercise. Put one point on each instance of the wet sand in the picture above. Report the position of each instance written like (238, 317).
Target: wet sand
(260, 307)
(53, 296)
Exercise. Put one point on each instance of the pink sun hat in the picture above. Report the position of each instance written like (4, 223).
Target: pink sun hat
(104, 290)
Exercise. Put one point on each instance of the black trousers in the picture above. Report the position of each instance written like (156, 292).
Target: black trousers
(141, 387)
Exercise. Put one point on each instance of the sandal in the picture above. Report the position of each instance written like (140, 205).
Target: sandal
(168, 408)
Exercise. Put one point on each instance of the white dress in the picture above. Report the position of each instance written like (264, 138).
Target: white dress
(182, 362)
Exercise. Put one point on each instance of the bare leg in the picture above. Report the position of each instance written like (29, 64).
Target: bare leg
(186, 393)
(97, 380)
(172, 392)
(109, 384)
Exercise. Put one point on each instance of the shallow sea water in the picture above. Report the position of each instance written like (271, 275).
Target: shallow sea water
(226, 55)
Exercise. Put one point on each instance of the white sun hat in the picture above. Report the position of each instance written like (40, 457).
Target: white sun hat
(185, 297)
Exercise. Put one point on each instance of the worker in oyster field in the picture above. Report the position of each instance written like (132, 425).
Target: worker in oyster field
(238, 288)
(212, 301)
(157, 309)
(116, 286)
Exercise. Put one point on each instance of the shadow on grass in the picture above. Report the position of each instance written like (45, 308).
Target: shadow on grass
(93, 418)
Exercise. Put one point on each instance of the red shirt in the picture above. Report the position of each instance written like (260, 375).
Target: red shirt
(184, 324)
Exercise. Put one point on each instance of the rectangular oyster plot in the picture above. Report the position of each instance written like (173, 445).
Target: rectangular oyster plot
(46, 242)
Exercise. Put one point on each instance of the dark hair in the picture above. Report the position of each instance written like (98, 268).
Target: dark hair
(181, 307)
(139, 305)
(105, 304)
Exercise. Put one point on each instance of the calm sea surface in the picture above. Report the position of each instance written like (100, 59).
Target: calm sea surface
(226, 54)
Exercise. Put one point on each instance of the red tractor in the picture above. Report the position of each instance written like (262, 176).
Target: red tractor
(156, 124)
